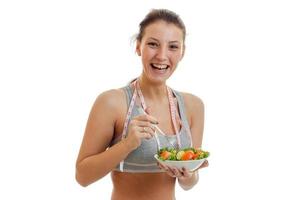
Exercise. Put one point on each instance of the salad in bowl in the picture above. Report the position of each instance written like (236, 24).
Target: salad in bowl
(190, 158)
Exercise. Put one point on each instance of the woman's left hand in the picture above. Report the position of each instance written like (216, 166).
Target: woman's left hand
(180, 173)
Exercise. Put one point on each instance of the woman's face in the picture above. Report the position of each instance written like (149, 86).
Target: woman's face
(161, 49)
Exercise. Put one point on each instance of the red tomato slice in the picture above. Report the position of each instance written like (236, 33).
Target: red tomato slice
(188, 155)
(165, 155)
(196, 155)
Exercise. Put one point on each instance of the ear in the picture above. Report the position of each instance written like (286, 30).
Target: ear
(138, 48)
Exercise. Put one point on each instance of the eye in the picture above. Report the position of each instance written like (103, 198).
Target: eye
(152, 44)
(173, 47)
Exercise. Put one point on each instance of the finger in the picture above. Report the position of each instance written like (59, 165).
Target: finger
(162, 166)
(204, 164)
(145, 124)
(149, 130)
(170, 171)
(166, 168)
(148, 110)
(176, 172)
(146, 130)
(185, 172)
(159, 165)
(143, 134)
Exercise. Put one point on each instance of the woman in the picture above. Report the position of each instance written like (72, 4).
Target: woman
(121, 135)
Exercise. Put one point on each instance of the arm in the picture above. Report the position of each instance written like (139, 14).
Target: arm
(195, 113)
(92, 162)
(95, 160)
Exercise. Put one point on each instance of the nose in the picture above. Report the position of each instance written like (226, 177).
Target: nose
(162, 53)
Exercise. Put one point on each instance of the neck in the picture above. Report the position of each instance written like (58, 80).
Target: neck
(153, 91)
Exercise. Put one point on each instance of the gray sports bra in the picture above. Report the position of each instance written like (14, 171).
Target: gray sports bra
(142, 159)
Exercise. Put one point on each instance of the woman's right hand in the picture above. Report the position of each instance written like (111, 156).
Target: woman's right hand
(140, 127)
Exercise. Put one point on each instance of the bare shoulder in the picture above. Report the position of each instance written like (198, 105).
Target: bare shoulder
(193, 103)
(194, 107)
(111, 98)
(107, 109)
(111, 105)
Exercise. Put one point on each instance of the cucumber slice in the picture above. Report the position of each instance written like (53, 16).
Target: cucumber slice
(179, 155)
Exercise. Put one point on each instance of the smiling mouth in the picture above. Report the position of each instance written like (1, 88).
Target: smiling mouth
(159, 66)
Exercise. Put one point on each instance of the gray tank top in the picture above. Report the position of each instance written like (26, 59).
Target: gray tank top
(141, 160)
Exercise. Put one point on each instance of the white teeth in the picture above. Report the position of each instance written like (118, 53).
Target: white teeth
(160, 66)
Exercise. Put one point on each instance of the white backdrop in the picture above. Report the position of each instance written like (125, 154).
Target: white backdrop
(241, 59)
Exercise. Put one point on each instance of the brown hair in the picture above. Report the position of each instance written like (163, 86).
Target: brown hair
(160, 14)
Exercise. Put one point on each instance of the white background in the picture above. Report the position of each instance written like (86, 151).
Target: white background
(241, 59)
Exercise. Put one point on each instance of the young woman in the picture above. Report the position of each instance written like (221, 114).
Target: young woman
(121, 137)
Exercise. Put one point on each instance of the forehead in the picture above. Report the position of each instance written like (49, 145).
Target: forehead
(163, 31)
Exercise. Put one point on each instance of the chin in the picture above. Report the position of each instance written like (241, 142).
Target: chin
(158, 80)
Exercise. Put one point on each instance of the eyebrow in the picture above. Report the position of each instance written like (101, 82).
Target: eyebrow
(175, 41)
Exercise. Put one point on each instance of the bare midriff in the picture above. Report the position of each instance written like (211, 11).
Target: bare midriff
(142, 186)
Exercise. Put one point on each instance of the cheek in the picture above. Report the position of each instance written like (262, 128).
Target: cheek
(147, 55)
(175, 59)
(145, 58)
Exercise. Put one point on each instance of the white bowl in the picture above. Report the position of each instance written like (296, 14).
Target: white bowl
(190, 165)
